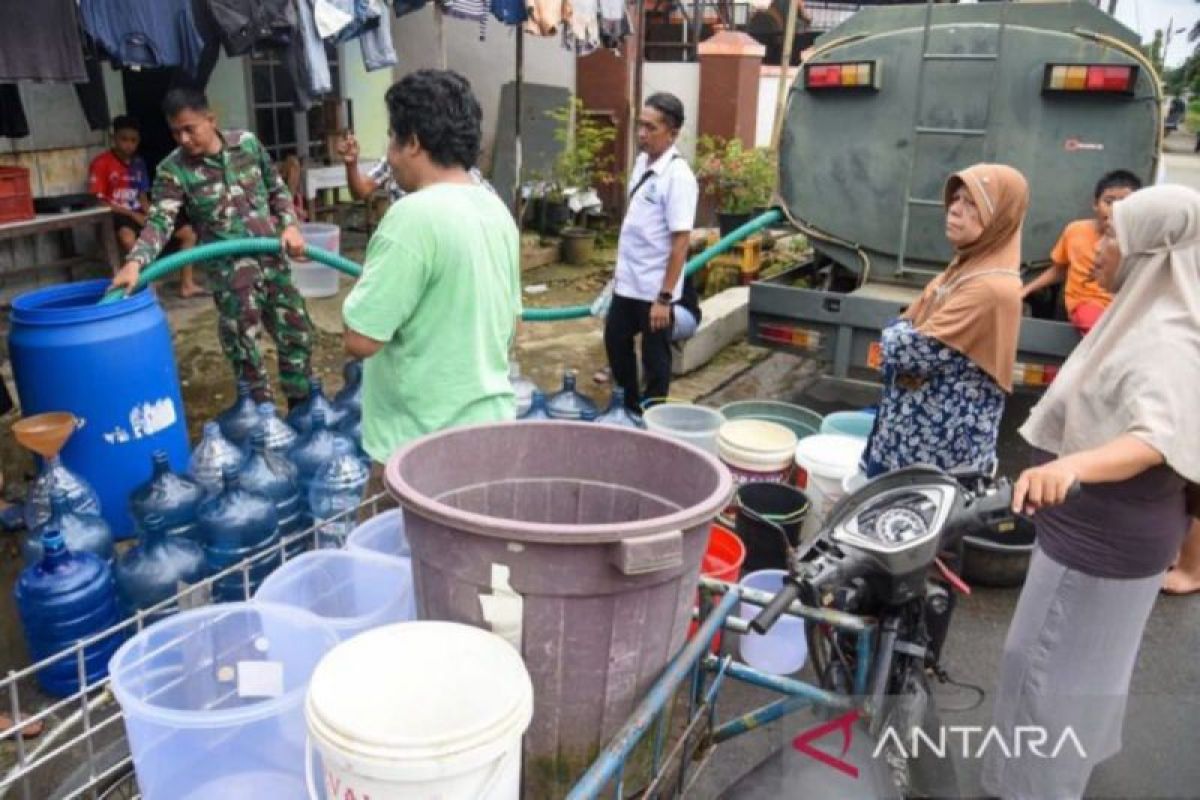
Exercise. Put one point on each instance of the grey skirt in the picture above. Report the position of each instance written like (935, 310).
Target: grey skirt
(1064, 679)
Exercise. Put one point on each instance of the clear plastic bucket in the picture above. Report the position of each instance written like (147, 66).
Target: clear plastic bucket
(693, 424)
(353, 591)
(213, 700)
(310, 278)
(781, 650)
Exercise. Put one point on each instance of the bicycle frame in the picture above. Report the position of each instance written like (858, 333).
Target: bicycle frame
(707, 673)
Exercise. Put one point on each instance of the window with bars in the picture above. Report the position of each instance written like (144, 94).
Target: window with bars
(282, 128)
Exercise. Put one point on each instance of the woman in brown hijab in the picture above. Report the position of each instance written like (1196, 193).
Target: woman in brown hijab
(948, 360)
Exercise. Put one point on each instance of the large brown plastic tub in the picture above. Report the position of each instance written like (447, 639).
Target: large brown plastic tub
(602, 531)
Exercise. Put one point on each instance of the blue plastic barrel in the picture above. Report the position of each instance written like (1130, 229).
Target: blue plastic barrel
(111, 366)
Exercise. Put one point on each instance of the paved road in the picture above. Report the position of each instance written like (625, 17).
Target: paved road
(1161, 755)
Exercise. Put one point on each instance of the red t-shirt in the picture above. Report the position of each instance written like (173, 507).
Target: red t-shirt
(114, 181)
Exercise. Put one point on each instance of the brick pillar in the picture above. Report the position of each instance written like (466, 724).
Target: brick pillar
(729, 72)
(602, 83)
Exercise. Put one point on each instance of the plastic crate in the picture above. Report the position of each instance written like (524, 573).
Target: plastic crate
(16, 199)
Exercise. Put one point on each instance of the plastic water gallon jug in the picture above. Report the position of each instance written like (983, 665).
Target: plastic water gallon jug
(351, 428)
(523, 388)
(537, 407)
(241, 418)
(55, 475)
(175, 498)
(212, 456)
(277, 434)
(159, 567)
(337, 489)
(618, 414)
(348, 400)
(61, 599)
(568, 402)
(83, 531)
(272, 475)
(314, 450)
(420, 710)
(301, 417)
(238, 524)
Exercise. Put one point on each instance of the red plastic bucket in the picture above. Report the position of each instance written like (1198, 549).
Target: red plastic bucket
(723, 559)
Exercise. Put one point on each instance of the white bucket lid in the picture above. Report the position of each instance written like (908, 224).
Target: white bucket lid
(830, 455)
(755, 444)
(420, 700)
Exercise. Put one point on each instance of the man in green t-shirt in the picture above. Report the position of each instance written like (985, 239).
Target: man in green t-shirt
(436, 308)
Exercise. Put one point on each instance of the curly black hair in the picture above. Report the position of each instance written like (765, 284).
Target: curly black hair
(439, 108)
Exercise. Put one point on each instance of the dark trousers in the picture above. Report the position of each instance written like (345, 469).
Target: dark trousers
(628, 319)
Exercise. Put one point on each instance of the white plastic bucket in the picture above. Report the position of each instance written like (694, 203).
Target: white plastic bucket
(823, 462)
(351, 590)
(781, 650)
(756, 450)
(687, 422)
(420, 710)
(311, 278)
(213, 700)
(854, 482)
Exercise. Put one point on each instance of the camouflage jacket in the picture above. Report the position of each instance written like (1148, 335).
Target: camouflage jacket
(234, 194)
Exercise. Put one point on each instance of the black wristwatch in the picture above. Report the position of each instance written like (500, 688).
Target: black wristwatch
(664, 298)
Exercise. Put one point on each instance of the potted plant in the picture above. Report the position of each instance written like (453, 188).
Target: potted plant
(583, 165)
(741, 180)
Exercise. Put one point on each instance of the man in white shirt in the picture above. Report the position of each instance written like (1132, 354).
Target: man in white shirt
(651, 252)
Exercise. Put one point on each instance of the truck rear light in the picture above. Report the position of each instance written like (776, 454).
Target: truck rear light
(856, 75)
(1033, 374)
(1090, 78)
(800, 338)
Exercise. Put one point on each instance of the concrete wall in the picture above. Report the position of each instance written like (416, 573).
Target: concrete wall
(768, 85)
(683, 81)
(488, 65)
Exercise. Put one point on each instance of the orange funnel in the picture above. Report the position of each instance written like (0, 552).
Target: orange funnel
(45, 434)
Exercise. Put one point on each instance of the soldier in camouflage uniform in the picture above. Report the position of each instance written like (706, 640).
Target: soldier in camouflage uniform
(230, 189)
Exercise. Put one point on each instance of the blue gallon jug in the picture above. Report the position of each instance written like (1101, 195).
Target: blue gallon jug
(301, 417)
(537, 407)
(61, 599)
(272, 475)
(314, 450)
(113, 367)
(172, 497)
(351, 428)
(617, 414)
(523, 388)
(568, 403)
(336, 490)
(211, 457)
(83, 532)
(240, 419)
(55, 477)
(348, 400)
(237, 524)
(157, 569)
(278, 436)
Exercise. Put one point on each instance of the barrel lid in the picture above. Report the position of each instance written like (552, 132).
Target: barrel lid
(830, 455)
(418, 692)
(756, 442)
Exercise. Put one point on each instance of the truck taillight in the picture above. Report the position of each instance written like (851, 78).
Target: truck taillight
(790, 336)
(1090, 78)
(856, 75)
(1034, 374)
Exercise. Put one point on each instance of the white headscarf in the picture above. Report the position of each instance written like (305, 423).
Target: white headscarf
(1138, 371)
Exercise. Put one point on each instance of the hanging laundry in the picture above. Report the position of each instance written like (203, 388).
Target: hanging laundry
(92, 98)
(13, 123)
(332, 17)
(510, 12)
(319, 79)
(545, 16)
(583, 33)
(145, 33)
(403, 7)
(471, 10)
(614, 23)
(245, 24)
(365, 18)
(370, 24)
(39, 40)
(376, 44)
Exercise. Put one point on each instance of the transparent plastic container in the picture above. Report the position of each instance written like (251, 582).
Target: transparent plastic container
(277, 434)
(348, 400)
(337, 488)
(158, 568)
(272, 475)
(696, 425)
(55, 475)
(173, 497)
(83, 531)
(313, 279)
(523, 388)
(537, 407)
(313, 450)
(569, 402)
(617, 414)
(383, 534)
(237, 524)
(210, 458)
(301, 417)
(241, 418)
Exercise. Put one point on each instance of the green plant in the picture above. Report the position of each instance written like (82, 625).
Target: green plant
(585, 161)
(740, 179)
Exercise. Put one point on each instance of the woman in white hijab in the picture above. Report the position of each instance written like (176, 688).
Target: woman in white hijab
(1121, 421)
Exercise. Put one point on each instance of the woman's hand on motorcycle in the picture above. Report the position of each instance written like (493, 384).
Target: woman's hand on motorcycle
(1040, 487)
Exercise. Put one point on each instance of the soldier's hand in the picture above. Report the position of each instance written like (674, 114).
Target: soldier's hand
(293, 241)
(348, 148)
(127, 277)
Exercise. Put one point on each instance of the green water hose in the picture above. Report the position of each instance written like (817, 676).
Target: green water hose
(263, 246)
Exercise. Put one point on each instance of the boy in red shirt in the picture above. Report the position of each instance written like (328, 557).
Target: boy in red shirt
(1073, 256)
(118, 176)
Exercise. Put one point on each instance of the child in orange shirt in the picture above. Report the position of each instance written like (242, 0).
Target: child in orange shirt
(1073, 256)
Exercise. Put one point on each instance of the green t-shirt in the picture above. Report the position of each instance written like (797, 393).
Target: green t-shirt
(442, 289)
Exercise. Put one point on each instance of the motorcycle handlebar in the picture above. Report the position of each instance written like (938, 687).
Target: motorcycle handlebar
(774, 609)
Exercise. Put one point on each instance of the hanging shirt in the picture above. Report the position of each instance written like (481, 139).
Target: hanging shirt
(663, 202)
(145, 33)
(585, 26)
(474, 10)
(39, 41)
(246, 23)
(114, 181)
(544, 16)
(509, 12)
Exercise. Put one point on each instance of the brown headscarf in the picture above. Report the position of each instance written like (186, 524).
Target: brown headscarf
(974, 306)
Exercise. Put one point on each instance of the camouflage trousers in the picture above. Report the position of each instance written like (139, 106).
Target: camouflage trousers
(256, 293)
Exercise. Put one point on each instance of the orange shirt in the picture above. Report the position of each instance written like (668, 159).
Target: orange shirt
(1077, 249)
